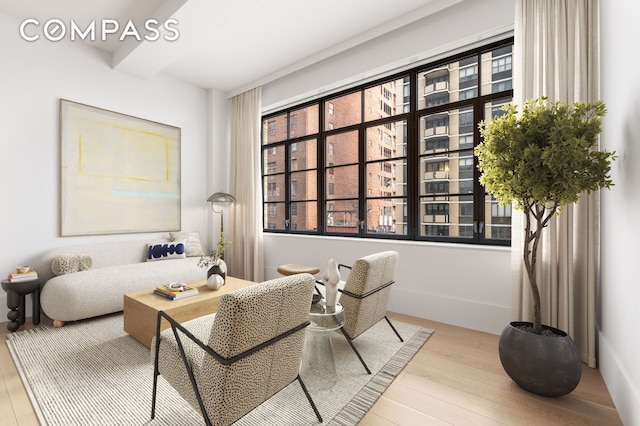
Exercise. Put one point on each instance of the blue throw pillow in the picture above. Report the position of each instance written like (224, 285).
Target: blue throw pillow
(163, 251)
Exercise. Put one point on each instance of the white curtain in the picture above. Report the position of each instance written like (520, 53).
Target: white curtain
(556, 53)
(245, 255)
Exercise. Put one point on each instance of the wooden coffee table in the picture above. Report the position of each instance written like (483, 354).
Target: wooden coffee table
(141, 308)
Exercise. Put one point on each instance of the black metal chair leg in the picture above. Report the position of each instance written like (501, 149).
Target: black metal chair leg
(393, 328)
(364, 364)
(313, 405)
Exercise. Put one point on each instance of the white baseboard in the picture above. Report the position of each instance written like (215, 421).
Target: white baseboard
(463, 313)
(624, 393)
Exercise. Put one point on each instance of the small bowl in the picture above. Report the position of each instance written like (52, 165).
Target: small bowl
(316, 298)
(22, 269)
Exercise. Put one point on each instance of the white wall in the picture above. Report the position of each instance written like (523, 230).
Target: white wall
(458, 28)
(463, 285)
(457, 284)
(620, 283)
(33, 77)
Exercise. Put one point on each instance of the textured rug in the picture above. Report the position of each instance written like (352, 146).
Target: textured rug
(93, 373)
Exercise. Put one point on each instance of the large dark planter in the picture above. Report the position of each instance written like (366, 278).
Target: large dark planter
(544, 365)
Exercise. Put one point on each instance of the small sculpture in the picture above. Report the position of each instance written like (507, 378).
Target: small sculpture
(214, 282)
(331, 278)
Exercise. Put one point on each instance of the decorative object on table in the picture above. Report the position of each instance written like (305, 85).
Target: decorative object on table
(20, 275)
(214, 262)
(175, 291)
(215, 281)
(542, 161)
(140, 158)
(331, 278)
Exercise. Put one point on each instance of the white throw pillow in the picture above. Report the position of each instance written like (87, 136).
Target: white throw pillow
(192, 244)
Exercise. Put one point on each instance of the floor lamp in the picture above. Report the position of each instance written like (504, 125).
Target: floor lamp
(220, 198)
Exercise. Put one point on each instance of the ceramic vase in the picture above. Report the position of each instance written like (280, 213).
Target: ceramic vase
(219, 269)
(214, 282)
(331, 278)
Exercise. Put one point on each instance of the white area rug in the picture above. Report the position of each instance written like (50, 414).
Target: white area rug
(92, 373)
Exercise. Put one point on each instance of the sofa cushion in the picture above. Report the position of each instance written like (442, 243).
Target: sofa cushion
(68, 263)
(192, 244)
(164, 251)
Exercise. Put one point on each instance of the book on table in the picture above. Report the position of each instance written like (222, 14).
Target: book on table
(15, 277)
(173, 294)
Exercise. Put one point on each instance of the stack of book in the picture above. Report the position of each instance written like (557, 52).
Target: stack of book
(163, 290)
(16, 277)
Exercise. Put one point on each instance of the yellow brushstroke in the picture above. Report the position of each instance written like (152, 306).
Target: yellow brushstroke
(80, 153)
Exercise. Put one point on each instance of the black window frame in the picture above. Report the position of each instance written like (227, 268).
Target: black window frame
(412, 157)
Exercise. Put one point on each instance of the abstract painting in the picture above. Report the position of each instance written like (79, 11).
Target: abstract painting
(118, 173)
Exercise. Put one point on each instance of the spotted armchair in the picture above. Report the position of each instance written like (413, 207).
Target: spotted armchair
(365, 295)
(228, 363)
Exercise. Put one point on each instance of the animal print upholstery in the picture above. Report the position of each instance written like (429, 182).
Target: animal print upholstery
(245, 318)
(368, 273)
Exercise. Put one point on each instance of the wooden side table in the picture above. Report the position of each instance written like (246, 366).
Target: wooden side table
(16, 293)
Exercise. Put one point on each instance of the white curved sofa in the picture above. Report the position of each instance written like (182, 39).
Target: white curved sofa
(117, 268)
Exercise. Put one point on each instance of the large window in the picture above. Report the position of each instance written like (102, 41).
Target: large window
(393, 158)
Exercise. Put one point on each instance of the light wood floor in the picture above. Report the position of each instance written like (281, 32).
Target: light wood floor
(455, 379)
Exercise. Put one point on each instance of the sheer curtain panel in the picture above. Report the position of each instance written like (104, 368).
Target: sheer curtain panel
(246, 259)
(556, 54)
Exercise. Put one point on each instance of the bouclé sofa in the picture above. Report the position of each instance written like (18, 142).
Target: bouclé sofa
(95, 284)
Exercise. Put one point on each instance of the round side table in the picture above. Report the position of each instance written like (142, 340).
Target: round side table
(16, 293)
(318, 366)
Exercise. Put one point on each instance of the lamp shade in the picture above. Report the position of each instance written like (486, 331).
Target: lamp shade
(221, 197)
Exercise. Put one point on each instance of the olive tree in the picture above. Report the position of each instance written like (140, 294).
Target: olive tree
(542, 160)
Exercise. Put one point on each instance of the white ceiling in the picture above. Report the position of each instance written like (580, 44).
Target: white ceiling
(228, 45)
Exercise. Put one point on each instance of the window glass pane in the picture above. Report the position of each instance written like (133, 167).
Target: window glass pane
(387, 178)
(304, 121)
(386, 141)
(304, 216)
(342, 182)
(387, 216)
(273, 160)
(274, 216)
(497, 220)
(447, 131)
(274, 188)
(341, 149)
(494, 108)
(445, 83)
(274, 129)
(304, 185)
(303, 155)
(384, 100)
(496, 70)
(343, 111)
(452, 173)
(446, 216)
(342, 216)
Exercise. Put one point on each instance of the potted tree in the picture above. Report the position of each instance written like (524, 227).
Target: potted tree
(540, 161)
